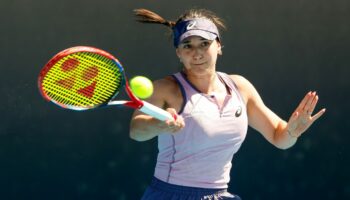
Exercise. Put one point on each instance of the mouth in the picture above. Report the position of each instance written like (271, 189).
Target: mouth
(196, 64)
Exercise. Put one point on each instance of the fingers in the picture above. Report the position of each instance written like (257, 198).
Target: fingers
(319, 114)
(302, 117)
(313, 104)
(310, 103)
(304, 101)
(176, 124)
(173, 112)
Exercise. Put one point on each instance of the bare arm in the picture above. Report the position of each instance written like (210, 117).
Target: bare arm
(277, 131)
(144, 127)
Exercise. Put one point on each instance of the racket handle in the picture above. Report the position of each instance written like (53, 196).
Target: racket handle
(155, 111)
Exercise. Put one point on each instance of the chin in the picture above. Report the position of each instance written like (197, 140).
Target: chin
(200, 71)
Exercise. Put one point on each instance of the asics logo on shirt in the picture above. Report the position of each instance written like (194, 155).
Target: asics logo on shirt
(238, 112)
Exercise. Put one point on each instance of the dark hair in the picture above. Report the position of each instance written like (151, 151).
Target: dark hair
(147, 16)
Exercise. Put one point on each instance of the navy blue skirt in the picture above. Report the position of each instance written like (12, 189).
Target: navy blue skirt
(159, 190)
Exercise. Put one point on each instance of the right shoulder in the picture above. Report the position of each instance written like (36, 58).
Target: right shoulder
(165, 84)
(167, 93)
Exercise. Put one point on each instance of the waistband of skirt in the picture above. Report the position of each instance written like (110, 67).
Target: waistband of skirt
(179, 189)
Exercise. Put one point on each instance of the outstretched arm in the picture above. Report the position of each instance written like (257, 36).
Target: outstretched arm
(277, 131)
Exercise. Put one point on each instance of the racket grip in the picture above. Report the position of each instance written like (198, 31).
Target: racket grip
(155, 112)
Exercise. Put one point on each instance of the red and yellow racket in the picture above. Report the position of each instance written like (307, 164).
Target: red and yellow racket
(82, 78)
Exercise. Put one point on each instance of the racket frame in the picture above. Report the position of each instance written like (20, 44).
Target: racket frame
(135, 102)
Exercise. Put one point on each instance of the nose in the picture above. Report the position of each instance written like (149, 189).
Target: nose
(197, 54)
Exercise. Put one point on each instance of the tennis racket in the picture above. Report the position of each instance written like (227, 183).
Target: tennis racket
(82, 78)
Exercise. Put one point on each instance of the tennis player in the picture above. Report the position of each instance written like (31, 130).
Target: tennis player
(212, 112)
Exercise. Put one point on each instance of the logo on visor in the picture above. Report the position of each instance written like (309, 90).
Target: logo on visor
(191, 25)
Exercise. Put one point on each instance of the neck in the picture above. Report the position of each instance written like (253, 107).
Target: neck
(206, 83)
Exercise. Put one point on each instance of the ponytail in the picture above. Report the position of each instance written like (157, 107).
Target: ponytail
(147, 16)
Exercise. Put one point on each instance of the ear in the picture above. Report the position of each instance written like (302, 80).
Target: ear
(178, 54)
(219, 49)
(219, 52)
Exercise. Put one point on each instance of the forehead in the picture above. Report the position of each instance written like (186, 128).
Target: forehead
(193, 39)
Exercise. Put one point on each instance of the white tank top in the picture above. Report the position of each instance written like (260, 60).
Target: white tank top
(200, 154)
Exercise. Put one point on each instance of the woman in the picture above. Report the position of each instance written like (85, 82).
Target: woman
(212, 111)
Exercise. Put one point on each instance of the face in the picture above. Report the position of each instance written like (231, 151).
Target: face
(198, 55)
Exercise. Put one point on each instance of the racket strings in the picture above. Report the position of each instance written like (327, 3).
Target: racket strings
(72, 98)
(82, 79)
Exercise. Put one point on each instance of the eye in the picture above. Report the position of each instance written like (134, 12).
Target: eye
(186, 46)
(205, 43)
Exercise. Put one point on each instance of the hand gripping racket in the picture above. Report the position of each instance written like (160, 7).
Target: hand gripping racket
(82, 78)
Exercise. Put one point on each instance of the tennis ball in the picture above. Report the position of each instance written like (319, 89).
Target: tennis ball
(141, 86)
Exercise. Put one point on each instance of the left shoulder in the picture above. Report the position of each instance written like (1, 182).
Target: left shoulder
(243, 85)
(240, 81)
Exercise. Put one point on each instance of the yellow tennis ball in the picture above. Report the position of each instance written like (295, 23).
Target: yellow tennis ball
(141, 86)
